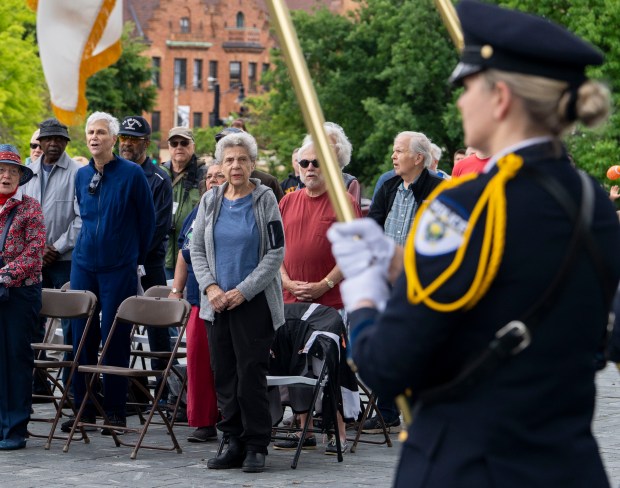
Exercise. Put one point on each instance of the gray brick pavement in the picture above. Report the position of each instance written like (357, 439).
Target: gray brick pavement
(100, 463)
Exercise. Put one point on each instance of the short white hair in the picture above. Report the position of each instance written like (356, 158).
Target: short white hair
(342, 146)
(113, 124)
(235, 139)
(436, 151)
(420, 144)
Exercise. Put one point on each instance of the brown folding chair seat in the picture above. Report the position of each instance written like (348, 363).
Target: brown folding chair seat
(156, 312)
(57, 305)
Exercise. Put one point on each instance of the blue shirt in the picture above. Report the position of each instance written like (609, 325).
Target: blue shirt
(401, 214)
(237, 242)
(185, 239)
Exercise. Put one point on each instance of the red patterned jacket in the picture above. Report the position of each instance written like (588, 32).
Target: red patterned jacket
(23, 249)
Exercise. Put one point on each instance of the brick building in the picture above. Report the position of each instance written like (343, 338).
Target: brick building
(203, 48)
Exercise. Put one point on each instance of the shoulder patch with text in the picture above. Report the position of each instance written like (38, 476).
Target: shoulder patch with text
(440, 230)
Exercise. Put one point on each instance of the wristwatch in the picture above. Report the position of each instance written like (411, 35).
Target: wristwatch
(329, 282)
(177, 291)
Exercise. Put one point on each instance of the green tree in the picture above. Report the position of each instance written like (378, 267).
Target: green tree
(22, 88)
(125, 87)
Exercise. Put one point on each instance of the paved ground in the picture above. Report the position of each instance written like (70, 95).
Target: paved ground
(101, 464)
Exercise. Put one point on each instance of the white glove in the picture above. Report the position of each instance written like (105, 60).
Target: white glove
(370, 284)
(359, 244)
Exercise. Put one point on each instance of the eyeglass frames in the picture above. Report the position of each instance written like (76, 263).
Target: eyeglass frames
(184, 143)
(304, 163)
(35, 146)
(94, 183)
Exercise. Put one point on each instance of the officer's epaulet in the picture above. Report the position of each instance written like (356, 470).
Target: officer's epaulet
(440, 229)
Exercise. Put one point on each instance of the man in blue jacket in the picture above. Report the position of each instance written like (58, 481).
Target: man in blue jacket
(118, 221)
(134, 138)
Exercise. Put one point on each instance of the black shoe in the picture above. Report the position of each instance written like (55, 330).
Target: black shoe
(254, 462)
(67, 425)
(291, 442)
(115, 421)
(203, 434)
(231, 458)
(373, 426)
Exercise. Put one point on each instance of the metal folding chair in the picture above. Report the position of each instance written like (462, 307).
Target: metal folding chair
(57, 305)
(156, 312)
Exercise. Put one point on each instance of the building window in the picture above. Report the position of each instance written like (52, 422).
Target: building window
(197, 120)
(156, 121)
(185, 25)
(252, 76)
(156, 63)
(240, 20)
(180, 73)
(213, 69)
(235, 73)
(197, 81)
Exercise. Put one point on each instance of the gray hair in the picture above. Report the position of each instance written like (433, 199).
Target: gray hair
(436, 151)
(420, 144)
(113, 124)
(305, 147)
(342, 146)
(242, 139)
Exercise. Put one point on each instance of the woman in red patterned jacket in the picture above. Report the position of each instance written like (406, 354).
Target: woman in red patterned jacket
(20, 296)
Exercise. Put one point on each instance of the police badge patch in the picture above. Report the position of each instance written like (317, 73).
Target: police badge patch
(440, 230)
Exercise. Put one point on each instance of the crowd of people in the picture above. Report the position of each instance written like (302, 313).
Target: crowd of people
(503, 388)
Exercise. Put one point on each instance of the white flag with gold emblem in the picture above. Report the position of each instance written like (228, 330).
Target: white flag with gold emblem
(76, 39)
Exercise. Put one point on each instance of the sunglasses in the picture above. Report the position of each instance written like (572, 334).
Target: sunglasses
(94, 183)
(35, 146)
(304, 163)
(131, 138)
(183, 143)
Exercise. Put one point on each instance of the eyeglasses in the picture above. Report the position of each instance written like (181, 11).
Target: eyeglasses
(131, 139)
(94, 183)
(9, 171)
(35, 146)
(304, 163)
(184, 143)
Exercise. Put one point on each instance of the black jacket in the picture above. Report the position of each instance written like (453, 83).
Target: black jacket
(161, 188)
(384, 199)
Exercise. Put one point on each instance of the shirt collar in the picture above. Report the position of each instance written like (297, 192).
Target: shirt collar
(514, 148)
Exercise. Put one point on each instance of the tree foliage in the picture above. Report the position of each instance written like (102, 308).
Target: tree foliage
(22, 88)
(384, 70)
(125, 87)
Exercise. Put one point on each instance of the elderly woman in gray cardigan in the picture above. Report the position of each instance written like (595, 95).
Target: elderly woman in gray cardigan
(237, 249)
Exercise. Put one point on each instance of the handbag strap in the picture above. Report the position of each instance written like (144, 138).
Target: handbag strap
(7, 226)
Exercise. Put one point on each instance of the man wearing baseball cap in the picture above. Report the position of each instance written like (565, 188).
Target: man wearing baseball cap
(186, 173)
(53, 186)
(134, 138)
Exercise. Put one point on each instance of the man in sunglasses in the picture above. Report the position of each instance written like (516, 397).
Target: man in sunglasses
(53, 186)
(186, 172)
(134, 138)
(35, 148)
(118, 222)
(309, 271)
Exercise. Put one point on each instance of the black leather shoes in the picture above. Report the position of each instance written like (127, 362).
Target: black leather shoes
(231, 458)
(254, 462)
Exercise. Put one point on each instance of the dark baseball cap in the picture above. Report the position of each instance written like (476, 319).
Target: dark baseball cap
(136, 126)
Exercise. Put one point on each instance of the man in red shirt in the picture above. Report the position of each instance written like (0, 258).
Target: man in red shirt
(309, 271)
(473, 163)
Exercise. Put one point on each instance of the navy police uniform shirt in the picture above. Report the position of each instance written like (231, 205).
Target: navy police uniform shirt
(528, 422)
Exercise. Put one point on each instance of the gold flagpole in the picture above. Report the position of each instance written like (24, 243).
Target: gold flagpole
(310, 108)
(451, 21)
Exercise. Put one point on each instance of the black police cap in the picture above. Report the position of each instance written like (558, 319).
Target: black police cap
(509, 40)
(136, 126)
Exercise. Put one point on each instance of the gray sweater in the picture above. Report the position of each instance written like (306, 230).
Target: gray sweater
(266, 276)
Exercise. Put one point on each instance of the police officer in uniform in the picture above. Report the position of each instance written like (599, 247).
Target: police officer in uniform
(493, 327)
